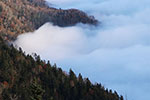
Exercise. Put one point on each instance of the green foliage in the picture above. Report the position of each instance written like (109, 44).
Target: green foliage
(36, 91)
(1, 9)
(23, 77)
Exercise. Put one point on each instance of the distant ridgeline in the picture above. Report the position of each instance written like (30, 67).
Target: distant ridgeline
(23, 77)
(20, 16)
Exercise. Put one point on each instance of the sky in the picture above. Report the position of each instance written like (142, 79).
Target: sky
(115, 53)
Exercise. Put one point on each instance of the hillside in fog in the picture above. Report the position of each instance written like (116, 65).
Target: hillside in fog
(23, 77)
(26, 77)
(20, 16)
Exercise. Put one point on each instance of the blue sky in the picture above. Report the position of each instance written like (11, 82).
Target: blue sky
(116, 54)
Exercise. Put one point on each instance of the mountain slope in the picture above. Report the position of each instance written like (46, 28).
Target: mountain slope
(26, 78)
(20, 16)
(23, 77)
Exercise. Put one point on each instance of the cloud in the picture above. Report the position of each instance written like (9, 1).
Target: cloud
(54, 41)
(115, 53)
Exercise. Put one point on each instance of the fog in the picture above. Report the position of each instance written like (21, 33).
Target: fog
(116, 53)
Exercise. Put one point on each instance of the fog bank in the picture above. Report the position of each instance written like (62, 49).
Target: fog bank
(116, 53)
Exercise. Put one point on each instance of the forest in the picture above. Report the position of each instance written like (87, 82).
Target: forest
(26, 77)
(21, 16)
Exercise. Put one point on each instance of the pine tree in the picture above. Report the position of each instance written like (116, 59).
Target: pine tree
(36, 91)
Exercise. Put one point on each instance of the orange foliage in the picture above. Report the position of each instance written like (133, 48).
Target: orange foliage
(5, 83)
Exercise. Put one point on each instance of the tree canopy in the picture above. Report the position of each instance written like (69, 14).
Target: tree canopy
(23, 77)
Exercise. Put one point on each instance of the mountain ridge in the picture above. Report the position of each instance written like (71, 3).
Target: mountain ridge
(21, 16)
(26, 77)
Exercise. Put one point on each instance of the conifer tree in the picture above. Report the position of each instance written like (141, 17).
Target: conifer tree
(36, 91)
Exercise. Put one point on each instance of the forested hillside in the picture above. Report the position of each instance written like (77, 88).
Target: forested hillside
(20, 16)
(23, 77)
(26, 77)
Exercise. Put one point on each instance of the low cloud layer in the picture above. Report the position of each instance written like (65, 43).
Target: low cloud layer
(116, 53)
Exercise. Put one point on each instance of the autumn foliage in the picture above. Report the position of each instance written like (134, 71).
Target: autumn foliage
(20, 16)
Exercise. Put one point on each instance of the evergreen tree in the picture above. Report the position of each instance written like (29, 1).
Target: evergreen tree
(36, 91)
(23, 77)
